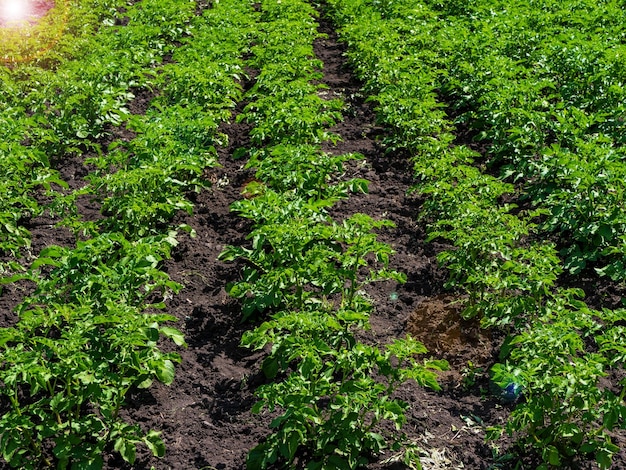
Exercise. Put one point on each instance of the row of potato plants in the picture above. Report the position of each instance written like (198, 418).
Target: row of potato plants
(89, 332)
(86, 310)
(552, 114)
(556, 347)
(25, 167)
(306, 272)
(55, 106)
(552, 111)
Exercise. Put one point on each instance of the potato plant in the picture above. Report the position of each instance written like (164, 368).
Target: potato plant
(548, 135)
(92, 330)
(84, 339)
(323, 379)
(306, 274)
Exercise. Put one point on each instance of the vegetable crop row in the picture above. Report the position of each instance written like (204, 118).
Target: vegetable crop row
(556, 347)
(305, 272)
(56, 105)
(90, 331)
(552, 111)
(26, 163)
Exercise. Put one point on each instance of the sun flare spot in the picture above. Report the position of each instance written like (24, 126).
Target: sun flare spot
(12, 11)
(30, 28)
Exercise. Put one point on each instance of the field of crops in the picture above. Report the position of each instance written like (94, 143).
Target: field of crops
(351, 234)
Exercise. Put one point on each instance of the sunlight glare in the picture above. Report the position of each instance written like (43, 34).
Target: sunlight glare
(13, 10)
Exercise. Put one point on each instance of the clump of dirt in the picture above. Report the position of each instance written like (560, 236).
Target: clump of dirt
(438, 323)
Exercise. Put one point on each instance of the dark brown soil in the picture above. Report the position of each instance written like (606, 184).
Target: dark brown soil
(205, 414)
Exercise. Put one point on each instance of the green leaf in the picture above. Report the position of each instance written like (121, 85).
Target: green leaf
(359, 185)
(146, 383)
(8, 335)
(154, 442)
(45, 262)
(240, 153)
(270, 367)
(165, 371)
(604, 459)
(174, 334)
(338, 463)
(152, 333)
(126, 448)
(551, 454)
(15, 278)
(257, 458)
(257, 407)
(494, 433)
(290, 445)
(610, 419)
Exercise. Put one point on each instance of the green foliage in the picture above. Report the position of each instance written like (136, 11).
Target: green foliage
(333, 402)
(306, 273)
(305, 170)
(297, 260)
(82, 342)
(540, 85)
(91, 330)
(566, 411)
(292, 119)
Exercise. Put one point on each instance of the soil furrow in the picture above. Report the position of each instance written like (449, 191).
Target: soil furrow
(420, 307)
